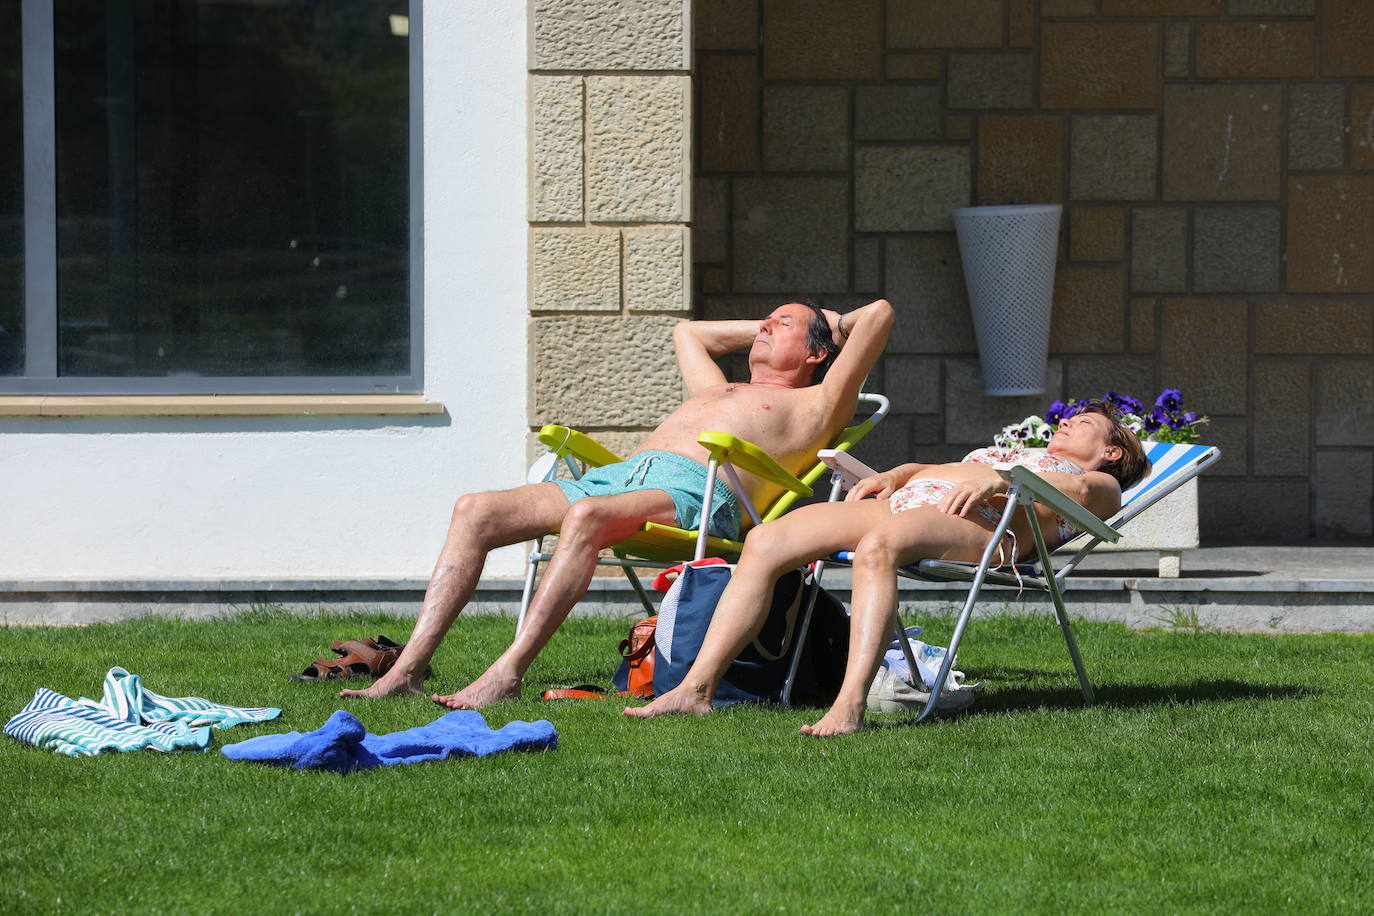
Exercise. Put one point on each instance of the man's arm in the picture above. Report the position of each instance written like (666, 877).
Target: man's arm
(698, 343)
(862, 336)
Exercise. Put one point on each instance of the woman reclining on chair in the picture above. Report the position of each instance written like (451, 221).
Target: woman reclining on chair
(922, 511)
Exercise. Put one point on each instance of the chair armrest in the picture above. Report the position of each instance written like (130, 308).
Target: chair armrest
(1047, 494)
(851, 469)
(726, 448)
(564, 441)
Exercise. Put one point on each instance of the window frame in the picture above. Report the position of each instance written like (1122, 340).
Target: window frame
(40, 247)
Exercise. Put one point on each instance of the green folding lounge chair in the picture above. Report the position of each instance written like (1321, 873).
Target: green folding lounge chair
(657, 546)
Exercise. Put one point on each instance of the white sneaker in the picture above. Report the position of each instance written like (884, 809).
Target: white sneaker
(889, 692)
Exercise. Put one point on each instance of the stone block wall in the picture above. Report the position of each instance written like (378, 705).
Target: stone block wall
(1215, 160)
(609, 207)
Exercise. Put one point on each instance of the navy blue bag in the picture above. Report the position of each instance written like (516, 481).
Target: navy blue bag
(758, 675)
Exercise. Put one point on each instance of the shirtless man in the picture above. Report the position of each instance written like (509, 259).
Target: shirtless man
(779, 409)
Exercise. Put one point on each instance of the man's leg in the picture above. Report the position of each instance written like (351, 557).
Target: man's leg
(481, 522)
(591, 524)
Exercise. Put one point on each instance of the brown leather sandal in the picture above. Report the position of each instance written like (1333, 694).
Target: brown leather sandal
(357, 658)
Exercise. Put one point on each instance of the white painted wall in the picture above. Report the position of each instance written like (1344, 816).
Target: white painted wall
(248, 498)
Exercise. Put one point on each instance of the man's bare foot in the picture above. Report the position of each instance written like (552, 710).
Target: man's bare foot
(491, 687)
(835, 722)
(390, 684)
(677, 702)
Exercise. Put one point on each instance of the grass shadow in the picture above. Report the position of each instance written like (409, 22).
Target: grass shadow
(1129, 696)
(1113, 696)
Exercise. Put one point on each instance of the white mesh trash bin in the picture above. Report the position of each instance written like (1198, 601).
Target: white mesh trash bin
(1009, 255)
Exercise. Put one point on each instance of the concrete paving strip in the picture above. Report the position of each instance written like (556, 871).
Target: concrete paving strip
(1268, 588)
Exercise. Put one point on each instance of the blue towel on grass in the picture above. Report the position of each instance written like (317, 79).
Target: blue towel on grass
(343, 744)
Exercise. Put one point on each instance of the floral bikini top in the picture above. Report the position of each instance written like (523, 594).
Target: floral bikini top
(1038, 460)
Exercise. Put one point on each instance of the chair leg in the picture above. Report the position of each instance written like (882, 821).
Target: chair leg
(707, 498)
(799, 639)
(976, 586)
(905, 643)
(804, 626)
(649, 609)
(1060, 612)
(536, 548)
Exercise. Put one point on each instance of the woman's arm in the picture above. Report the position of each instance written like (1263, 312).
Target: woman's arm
(1099, 493)
(885, 484)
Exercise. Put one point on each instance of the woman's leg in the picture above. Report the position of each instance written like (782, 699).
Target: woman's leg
(901, 539)
(769, 551)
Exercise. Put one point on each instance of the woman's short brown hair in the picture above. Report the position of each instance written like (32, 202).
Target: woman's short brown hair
(1132, 465)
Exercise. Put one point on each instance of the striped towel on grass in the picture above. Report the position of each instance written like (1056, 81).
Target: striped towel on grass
(127, 718)
(126, 698)
(55, 723)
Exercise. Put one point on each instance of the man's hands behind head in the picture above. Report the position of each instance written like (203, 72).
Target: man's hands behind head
(833, 317)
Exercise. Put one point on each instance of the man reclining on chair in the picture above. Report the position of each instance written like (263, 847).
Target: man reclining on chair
(806, 365)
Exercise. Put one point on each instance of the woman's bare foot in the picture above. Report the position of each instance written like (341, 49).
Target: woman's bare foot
(390, 684)
(491, 687)
(680, 701)
(836, 722)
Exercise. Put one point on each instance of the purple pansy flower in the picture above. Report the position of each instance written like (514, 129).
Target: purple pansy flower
(1152, 423)
(1170, 399)
(1055, 413)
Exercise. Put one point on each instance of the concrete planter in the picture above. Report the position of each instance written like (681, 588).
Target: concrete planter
(1170, 526)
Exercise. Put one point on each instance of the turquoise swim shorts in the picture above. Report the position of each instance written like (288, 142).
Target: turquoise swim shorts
(681, 478)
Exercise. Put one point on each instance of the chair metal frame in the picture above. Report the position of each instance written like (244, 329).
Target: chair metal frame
(1171, 466)
(658, 546)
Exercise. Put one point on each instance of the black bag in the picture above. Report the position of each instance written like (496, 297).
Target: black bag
(761, 669)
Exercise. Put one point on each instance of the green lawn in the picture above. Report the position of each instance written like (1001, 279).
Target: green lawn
(1220, 773)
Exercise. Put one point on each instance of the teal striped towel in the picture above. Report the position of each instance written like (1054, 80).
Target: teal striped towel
(127, 718)
(56, 723)
(127, 698)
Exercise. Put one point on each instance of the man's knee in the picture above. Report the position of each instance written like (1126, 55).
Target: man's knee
(589, 517)
(472, 507)
(479, 513)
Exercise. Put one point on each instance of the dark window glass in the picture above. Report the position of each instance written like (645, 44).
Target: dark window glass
(232, 188)
(11, 193)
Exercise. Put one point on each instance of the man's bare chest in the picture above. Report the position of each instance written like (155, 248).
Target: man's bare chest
(751, 403)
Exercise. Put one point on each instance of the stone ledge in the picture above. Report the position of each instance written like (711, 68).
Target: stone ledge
(215, 405)
(1269, 605)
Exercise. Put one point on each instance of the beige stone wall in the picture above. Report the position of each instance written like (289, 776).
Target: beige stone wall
(609, 207)
(1215, 159)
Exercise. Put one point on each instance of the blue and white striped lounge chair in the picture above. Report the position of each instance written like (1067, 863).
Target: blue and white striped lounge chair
(1170, 467)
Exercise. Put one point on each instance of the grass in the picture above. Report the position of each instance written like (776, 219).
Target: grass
(1220, 772)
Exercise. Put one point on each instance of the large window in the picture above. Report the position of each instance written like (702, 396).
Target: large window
(11, 195)
(232, 206)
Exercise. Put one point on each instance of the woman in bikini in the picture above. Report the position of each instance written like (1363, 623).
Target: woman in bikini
(920, 510)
